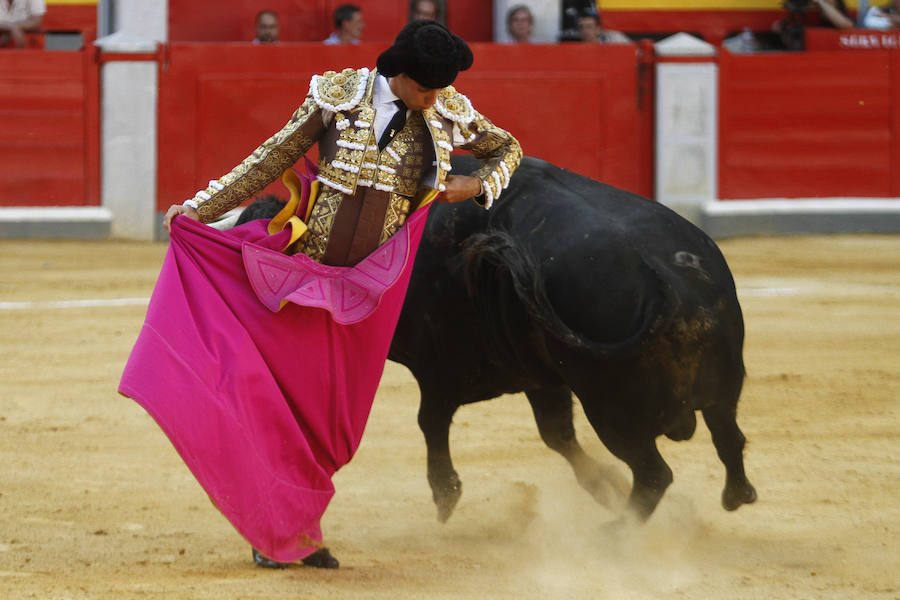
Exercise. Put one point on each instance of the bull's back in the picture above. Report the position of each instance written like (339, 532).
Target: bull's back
(608, 256)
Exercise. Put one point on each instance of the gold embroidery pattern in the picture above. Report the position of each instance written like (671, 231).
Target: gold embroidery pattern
(500, 152)
(339, 91)
(344, 171)
(264, 165)
(454, 106)
(412, 146)
(320, 222)
(398, 209)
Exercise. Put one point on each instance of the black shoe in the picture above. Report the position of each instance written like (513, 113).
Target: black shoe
(321, 559)
(262, 561)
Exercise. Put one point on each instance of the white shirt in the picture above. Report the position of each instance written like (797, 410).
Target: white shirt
(383, 102)
(877, 18)
(20, 10)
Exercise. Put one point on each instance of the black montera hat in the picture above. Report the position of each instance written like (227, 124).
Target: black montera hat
(428, 53)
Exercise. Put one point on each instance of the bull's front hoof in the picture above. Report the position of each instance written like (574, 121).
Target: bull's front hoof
(735, 495)
(267, 563)
(321, 559)
(446, 500)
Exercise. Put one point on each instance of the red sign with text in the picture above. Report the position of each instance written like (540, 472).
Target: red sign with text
(851, 39)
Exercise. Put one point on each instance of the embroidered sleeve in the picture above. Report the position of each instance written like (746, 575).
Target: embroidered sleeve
(499, 151)
(264, 165)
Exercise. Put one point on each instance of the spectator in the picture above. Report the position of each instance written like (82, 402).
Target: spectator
(883, 18)
(590, 30)
(348, 25)
(519, 22)
(424, 9)
(742, 43)
(17, 17)
(790, 29)
(266, 27)
(834, 14)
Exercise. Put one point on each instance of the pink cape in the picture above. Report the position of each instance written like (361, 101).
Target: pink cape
(264, 405)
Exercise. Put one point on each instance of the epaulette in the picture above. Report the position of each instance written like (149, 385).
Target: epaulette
(336, 91)
(454, 106)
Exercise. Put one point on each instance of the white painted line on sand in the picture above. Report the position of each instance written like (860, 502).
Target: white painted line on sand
(90, 303)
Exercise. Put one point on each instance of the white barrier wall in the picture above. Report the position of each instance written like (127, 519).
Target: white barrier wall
(686, 124)
(128, 118)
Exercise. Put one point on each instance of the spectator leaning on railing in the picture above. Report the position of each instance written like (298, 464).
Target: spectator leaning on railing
(267, 27)
(424, 9)
(883, 18)
(17, 17)
(834, 14)
(590, 29)
(519, 23)
(348, 25)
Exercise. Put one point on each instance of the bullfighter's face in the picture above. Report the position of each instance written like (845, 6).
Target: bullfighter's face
(413, 94)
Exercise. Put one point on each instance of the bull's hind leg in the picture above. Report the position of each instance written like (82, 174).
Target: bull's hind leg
(552, 408)
(636, 446)
(651, 475)
(435, 416)
(729, 441)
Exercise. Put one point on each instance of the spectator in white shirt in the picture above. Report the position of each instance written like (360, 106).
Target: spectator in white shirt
(883, 18)
(17, 17)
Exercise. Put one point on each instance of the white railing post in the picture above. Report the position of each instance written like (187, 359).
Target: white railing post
(128, 118)
(687, 96)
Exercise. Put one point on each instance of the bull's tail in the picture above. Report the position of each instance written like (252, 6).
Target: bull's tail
(507, 286)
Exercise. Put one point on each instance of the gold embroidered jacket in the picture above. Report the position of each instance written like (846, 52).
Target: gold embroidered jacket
(338, 113)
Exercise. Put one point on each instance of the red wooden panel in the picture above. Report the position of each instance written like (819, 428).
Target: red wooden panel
(826, 38)
(43, 191)
(63, 160)
(48, 94)
(72, 17)
(472, 20)
(40, 66)
(814, 124)
(895, 124)
(47, 128)
(91, 79)
(218, 102)
(43, 118)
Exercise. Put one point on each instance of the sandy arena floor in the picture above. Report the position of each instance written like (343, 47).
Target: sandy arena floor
(94, 502)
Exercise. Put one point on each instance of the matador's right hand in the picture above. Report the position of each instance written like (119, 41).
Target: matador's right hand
(179, 209)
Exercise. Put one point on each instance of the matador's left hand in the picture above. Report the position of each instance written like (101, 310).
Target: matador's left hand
(459, 188)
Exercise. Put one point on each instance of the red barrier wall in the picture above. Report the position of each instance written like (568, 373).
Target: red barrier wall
(577, 106)
(49, 117)
(711, 25)
(72, 17)
(810, 124)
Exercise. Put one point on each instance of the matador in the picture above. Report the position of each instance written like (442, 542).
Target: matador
(263, 345)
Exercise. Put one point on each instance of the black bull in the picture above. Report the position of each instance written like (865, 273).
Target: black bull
(570, 285)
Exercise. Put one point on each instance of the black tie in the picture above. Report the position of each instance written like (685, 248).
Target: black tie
(394, 126)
